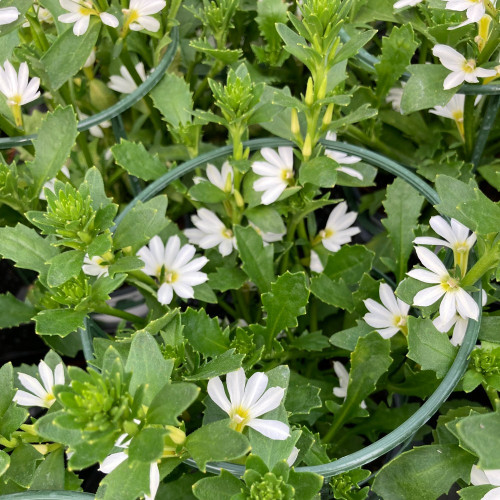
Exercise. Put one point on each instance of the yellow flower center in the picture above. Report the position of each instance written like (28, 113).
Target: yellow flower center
(400, 322)
(326, 233)
(449, 284)
(227, 233)
(86, 11)
(286, 175)
(239, 418)
(49, 399)
(171, 277)
(469, 66)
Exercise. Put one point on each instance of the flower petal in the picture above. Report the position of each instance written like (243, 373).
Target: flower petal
(216, 391)
(273, 429)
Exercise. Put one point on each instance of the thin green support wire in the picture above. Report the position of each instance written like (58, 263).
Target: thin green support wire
(49, 495)
(427, 410)
(127, 102)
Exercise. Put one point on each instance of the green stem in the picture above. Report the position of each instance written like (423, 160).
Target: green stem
(243, 307)
(112, 311)
(230, 310)
(83, 144)
(338, 421)
(469, 124)
(489, 260)
(492, 395)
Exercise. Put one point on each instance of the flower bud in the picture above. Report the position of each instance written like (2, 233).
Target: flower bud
(307, 148)
(327, 117)
(295, 125)
(239, 199)
(309, 99)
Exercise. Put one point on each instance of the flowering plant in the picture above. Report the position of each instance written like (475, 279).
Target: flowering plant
(293, 302)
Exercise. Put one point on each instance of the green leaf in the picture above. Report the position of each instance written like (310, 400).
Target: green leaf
(310, 342)
(23, 462)
(335, 293)
(490, 329)
(49, 475)
(354, 45)
(60, 322)
(216, 442)
(320, 171)
(95, 184)
(297, 46)
(133, 157)
(402, 206)
(26, 248)
(143, 222)
(206, 192)
(128, 481)
(484, 212)
(451, 192)
(227, 278)
(67, 55)
(6, 383)
(126, 264)
(221, 487)
(424, 89)
(14, 311)
(204, 333)
(286, 300)
(408, 288)
(369, 361)
(307, 485)
(170, 402)
(53, 145)
(424, 473)
(173, 98)
(225, 56)
(475, 434)
(220, 365)
(257, 259)
(65, 266)
(397, 51)
(148, 366)
(429, 347)
(475, 492)
(349, 263)
(267, 219)
(4, 462)
(147, 445)
(347, 339)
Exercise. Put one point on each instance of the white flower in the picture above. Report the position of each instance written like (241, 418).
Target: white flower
(406, 3)
(210, 232)
(111, 462)
(17, 88)
(293, 456)
(455, 299)
(79, 12)
(95, 130)
(390, 318)
(222, 179)
(475, 10)
(50, 183)
(337, 230)
(492, 476)
(174, 267)
(343, 376)
(125, 84)
(95, 266)
(139, 14)
(343, 158)
(460, 324)
(456, 236)
(454, 110)
(8, 15)
(40, 395)
(276, 173)
(315, 263)
(44, 16)
(268, 237)
(248, 401)
(394, 97)
(462, 69)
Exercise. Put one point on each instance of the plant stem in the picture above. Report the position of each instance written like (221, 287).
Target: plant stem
(469, 124)
(489, 260)
(492, 395)
(112, 311)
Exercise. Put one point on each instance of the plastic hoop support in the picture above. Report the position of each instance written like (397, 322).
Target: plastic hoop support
(457, 369)
(127, 102)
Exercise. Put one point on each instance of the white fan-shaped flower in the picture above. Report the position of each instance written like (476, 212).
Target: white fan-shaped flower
(343, 158)
(475, 10)
(111, 462)
(8, 15)
(343, 376)
(95, 266)
(406, 3)
(268, 237)
(223, 178)
(40, 395)
(139, 14)
(276, 173)
(315, 263)
(174, 267)
(50, 183)
(389, 318)
(125, 84)
(455, 299)
(210, 232)
(79, 12)
(248, 401)
(338, 230)
(461, 69)
(455, 236)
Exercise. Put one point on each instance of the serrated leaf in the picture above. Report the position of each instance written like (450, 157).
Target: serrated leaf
(65, 266)
(336, 293)
(222, 487)
(128, 481)
(429, 347)
(133, 157)
(14, 311)
(320, 171)
(350, 263)
(220, 365)
(60, 322)
(424, 473)
(227, 278)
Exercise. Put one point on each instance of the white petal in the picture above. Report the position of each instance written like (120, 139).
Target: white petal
(216, 391)
(24, 398)
(165, 294)
(428, 296)
(273, 429)
(154, 481)
(431, 261)
(254, 389)
(271, 195)
(424, 275)
(342, 374)
(493, 476)
(447, 308)
(109, 20)
(111, 462)
(492, 495)
(388, 299)
(235, 382)
(454, 79)
(268, 402)
(32, 384)
(466, 305)
(46, 375)
(59, 374)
